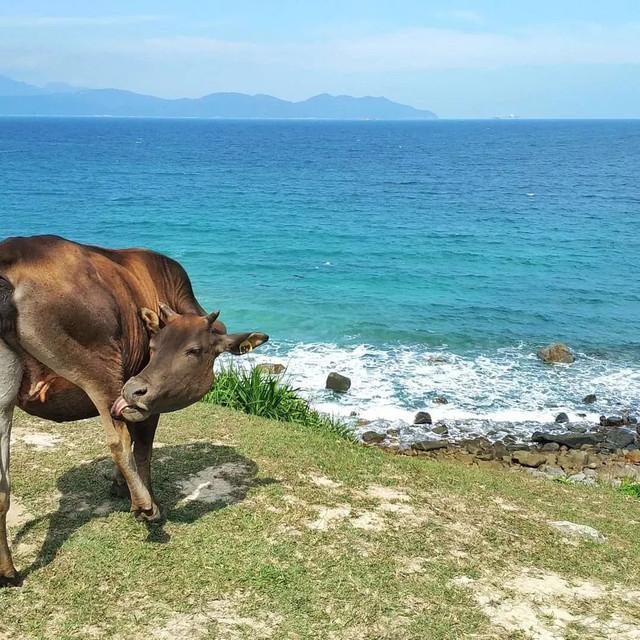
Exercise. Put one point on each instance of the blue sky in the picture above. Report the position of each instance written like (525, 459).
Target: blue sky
(562, 58)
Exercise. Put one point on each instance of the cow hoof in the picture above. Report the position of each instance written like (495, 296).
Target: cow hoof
(14, 580)
(152, 515)
(119, 490)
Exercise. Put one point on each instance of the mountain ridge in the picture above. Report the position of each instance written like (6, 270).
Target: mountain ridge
(59, 99)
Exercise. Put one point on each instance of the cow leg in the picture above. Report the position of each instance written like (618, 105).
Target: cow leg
(119, 442)
(10, 379)
(142, 434)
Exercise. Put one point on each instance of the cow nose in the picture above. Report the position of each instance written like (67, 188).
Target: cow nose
(135, 389)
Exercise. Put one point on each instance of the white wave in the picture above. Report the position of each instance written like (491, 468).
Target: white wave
(498, 389)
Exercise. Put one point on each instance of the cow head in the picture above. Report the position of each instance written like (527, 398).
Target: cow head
(180, 369)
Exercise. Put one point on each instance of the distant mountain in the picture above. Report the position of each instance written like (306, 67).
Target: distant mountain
(19, 98)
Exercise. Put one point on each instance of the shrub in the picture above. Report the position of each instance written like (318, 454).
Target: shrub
(260, 393)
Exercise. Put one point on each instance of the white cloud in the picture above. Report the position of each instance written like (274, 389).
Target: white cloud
(422, 49)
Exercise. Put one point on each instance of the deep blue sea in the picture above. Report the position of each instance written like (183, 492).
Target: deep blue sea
(423, 259)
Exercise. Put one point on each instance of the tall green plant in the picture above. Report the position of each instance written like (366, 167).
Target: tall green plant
(260, 393)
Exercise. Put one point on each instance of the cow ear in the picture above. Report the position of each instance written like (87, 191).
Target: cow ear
(150, 319)
(241, 343)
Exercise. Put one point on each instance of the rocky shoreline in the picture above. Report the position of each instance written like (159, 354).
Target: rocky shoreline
(575, 451)
(608, 452)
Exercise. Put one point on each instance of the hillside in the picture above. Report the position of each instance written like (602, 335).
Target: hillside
(18, 98)
(279, 531)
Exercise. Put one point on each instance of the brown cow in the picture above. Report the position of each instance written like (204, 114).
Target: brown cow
(76, 323)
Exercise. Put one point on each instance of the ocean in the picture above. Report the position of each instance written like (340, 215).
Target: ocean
(422, 259)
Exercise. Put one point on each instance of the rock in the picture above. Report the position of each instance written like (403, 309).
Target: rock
(477, 446)
(552, 471)
(633, 456)
(529, 458)
(578, 530)
(272, 368)
(372, 437)
(581, 415)
(573, 460)
(556, 353)
(550, 446)
(589, 399)
(611, 421)
(338, 382)
(581, 478)
(422, 417)
(500, 450)
(361, 422)
(620, 437)
(578, 428)
(441, 429)
(440, 400)
(429, 445)
(569, 439)
(562, 417)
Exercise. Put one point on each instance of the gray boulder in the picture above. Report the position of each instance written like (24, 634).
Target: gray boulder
(422, 417)
(372, 437)
(620, 438)
(589, 399)
(557, 352)
(562, 418)
(441, 429)
(568, 439)
(338, 382)
(429, 445)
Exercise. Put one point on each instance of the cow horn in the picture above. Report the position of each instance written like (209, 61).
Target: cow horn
(212, 317)
(168, 313)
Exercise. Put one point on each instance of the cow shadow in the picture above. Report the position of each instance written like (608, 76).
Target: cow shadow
(189, 481)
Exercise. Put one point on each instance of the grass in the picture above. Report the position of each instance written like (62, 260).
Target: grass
(629, 488)
(306, 536)
(259, 393)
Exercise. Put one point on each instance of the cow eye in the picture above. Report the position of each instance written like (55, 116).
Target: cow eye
(194, 351)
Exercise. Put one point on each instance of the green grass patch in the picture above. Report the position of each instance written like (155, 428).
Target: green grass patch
(262, 394)
(629, 488)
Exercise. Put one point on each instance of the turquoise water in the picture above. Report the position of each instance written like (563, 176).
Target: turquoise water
(424, 259)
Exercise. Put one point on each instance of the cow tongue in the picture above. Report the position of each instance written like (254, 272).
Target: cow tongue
(118, 407)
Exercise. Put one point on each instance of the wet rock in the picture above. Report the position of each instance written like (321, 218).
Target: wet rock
(422, 417)
(529, 458)
(550, 446)
(577, 428)
(372, 437)
(557, 352)
(272, 368)
(611, 421)
(338, 382)
(361, 422)
(569, 439)
(581, 415)
(440, 400)
(578, 531)
(620, 437)
(429, 445)
(562, 418)
(589, 399)
(441, 429)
